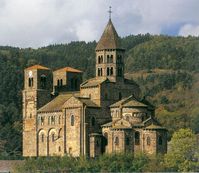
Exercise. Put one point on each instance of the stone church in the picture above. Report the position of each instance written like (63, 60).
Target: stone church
(62, 115)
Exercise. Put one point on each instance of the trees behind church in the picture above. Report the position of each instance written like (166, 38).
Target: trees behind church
(165, 67)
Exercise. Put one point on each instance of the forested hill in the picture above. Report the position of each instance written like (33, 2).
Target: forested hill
(167, 69)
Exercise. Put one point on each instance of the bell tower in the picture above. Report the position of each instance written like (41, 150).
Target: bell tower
(36, 93)
(110, 54)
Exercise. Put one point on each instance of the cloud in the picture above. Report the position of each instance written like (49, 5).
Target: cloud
(35, 23)
(189, 29)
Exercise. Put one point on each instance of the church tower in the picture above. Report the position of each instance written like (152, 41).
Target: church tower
(36, 93)
(110, 55)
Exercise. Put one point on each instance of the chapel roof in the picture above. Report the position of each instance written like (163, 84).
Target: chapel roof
(94, 82)
(109, 38)
(37, 67)
(155, 127)
(130, 101)
(88, 102)
(57, 103)
(69, 69)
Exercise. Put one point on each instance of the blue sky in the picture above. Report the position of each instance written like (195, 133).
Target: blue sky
(36, 23)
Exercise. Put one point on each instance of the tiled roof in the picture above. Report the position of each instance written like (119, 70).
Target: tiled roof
(69, 69)
(130, 101)
(93, 82)
(107, 124)
(87, 102)
(155, 127)
(109, 38)
(57, 103)
(37, 67)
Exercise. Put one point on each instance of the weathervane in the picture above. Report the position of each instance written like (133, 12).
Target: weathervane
(109, 11)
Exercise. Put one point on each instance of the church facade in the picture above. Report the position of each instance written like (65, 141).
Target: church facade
(62, 115)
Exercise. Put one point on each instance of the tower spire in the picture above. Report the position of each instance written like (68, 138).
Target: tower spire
(109, 11)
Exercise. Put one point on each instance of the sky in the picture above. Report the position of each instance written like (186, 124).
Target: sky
(38, 23)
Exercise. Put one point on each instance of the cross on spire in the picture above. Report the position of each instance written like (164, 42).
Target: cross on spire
(109, 11)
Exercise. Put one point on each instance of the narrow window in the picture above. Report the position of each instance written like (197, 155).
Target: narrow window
(127, 140)
(42, 137)
(76, 84)
(108, 60)
(120, 95)
(93, 121)
(30, 82)
(53, 137)
(59, 149)
(107, 71)
(99, 59)
(61, 82)
(72, 120)
(42, 120)
(105, 96)
(116, 141)
(101, 72)
(137, 138)
(98, 72)
(160, 140)
(58, 83)
(111, 59)
(43, 81)
(148, 141)
(111, 72)
(72, 83)
(105, 138)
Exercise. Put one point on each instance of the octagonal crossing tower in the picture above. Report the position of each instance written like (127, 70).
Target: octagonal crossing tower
(110, 55)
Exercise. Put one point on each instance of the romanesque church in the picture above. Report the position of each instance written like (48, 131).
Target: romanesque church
(63, 115)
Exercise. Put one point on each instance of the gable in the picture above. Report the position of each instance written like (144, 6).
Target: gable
(72, 102)
(121, 124)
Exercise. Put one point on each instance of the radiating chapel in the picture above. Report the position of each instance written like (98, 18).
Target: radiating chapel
(63, 115)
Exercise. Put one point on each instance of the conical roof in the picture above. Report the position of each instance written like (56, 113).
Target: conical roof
(109, 38)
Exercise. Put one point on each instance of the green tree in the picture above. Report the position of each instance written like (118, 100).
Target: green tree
(183, 155)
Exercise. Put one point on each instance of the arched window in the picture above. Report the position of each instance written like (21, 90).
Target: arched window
(127, 141)
(53, 137)
(98, 71)
(42, 120)
(61, 82)
(116, 141)
(111, 71)
(105, 96)
(99, 59)
(160, 140)
(107, 71)
(148, 140)
(108, 59)
(93, 121)
(52, 120)
(105, 138)
(58, 83)
(42, 137)
(72, 83)
(120, 95)
(59, 149)
(43, 81)
(72, 120)
(76, 84)
(48, 120)
(101, 72)
(111, 59)
(30, 82)
(137, 138)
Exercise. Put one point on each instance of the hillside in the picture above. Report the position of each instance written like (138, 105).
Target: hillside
(165, 67)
